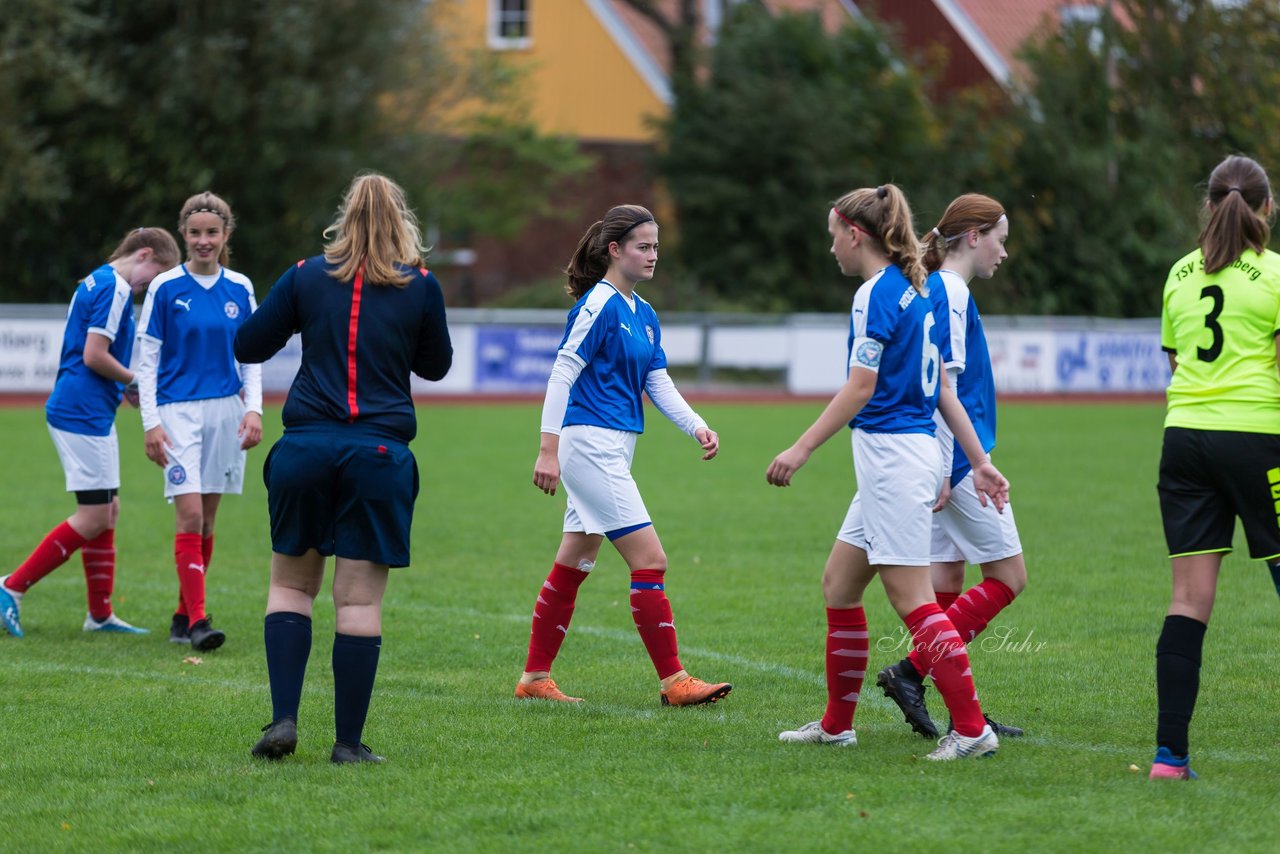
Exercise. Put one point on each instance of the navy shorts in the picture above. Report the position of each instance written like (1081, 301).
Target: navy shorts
(345, 495)
(1210, 477)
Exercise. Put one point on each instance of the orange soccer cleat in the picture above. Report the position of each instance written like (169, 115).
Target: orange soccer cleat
(691, 691)
(543, 689)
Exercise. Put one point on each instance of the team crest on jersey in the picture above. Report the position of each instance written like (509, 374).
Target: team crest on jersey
(177, 474)
(648, 330)
(232, 310)
(868, 354)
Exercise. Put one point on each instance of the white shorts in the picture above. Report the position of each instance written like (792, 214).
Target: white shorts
(89, 462)
(595, 470)
(891, 517)
(965, 530)
(206, 456)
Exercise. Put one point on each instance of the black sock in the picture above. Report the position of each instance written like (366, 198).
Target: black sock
(1177, 680)
(907, 669)
(355, 664)
(288, 640)
(1274, 566)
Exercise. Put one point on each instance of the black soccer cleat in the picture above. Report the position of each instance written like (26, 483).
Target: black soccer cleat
(1001, 730)
(179, 629)
(906, 688)
(345, 754)
(204, 637)
(280, 738)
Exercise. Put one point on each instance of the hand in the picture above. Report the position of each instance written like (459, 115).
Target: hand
(785, 465)
(944, 494)
(546, 472)
(990, 485)
(131, 394)
(709, 440)
(155, 441)
(250, 430)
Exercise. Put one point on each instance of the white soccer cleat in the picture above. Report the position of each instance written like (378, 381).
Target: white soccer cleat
(813, 733)
(112, 625)
(953, 745)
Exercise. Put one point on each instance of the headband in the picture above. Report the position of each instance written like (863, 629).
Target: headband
(217, 213)
(1000, 219)
(629, 228)
(852, 224)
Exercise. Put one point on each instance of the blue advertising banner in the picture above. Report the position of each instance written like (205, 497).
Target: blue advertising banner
(1108, 361)
(515, 358)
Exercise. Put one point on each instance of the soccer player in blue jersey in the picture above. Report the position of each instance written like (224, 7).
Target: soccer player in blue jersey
(1220, 325)
(201, 409)
(342, 480)
(81, 413)
(967, 242)
(610, 356)
(895, 383)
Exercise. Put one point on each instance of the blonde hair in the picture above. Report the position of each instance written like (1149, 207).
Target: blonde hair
(161, 243)
(970, 212)
(207, 202)
(590, 260)
(375, 230)
(1238, 190)
(883, 213)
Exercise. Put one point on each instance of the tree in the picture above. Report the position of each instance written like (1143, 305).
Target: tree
(273, 104)
(787, 118)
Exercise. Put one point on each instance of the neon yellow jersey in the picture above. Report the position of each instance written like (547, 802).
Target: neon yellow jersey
(1222, 328)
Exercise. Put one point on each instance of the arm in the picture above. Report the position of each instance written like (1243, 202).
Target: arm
(668, 400)
(946, 444)
(564, 373)
(98, 358)
(434, 356)
(842, 409)
(987, 480)
(268, 328)
(146, 363)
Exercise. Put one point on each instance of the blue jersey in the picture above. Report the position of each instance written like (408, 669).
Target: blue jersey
(888, 310)
(617, 346)
(195, 327)
(84, 401)
(359, 344)
(964, 347)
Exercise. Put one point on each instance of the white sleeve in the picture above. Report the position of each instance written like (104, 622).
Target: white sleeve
(662, 391)
(251, 377)
(146, 361)
(564, 373)
(947, 439)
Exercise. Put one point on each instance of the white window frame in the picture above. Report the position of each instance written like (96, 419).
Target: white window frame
(497, 41)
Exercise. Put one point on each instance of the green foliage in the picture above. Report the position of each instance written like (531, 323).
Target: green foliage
(118, 745)
(787, 119)
(113, 113)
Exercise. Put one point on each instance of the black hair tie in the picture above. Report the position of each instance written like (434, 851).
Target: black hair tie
(881, 192)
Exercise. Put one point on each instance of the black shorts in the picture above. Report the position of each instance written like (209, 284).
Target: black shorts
(345, 495)
(1208, 478)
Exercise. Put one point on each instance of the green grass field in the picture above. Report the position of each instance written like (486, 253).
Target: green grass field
(114, 743)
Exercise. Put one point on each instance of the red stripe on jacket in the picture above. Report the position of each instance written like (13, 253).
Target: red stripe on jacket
(352, 328)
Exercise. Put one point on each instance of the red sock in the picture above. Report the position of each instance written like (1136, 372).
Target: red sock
(978, 606)
(190, 563)
(53, 552)
(652, 612)
(99, 558)
(551, 615)
(846, 666)
(947, 663)
(206, 550)
(946, 599)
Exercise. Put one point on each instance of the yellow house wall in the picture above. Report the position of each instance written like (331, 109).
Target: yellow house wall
(579, 82)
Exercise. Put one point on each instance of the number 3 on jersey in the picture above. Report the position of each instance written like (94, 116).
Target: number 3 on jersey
(931, 359)
(1213, 292)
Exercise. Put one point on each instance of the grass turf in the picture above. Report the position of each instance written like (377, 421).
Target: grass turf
(115, 743)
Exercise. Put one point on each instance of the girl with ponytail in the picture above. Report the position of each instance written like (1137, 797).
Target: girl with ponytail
(895, 383)
(1221, 456)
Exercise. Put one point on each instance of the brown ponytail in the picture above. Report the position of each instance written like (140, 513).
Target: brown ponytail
(883, 213)
(1238, 192)
(590, 260)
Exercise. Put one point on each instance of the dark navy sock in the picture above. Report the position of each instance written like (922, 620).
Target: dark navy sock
(288, 639)
(1274, 566)
(355, 664)
(1177, 680)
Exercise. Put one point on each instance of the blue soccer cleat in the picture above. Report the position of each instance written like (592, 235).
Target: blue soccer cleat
(9, 611)
(112, 625)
